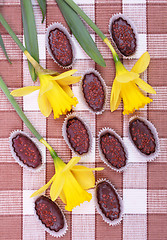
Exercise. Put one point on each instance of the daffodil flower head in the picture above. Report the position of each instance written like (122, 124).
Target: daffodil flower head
(125, 86)
(54, 91)
(70, 183)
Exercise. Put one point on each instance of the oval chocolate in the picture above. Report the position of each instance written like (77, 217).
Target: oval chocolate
(113, 150)
(26, 150)
(60, 47)
(142, 136)
(93, 91)
(77, 135)
(123, 36)
(108, 201)
(49, 213)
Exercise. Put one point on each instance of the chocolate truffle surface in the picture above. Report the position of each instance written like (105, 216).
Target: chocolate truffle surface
(60, 47)
(26, 150)
(113, 150)
(108, 200)
(123, 36)
(93, 91)
(142, 136)
(49, 213)
(77, 135)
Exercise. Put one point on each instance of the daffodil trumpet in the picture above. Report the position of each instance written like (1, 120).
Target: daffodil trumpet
(70, 181)
(126, 83)
(54, 90)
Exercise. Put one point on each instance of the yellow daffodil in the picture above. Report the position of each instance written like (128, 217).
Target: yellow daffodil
(70, 183)
(54, 91)
(125, 82)
(125, 86)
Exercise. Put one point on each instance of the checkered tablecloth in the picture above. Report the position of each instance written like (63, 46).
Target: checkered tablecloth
(143, 186)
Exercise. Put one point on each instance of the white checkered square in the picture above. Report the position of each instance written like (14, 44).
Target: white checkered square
(135, 176)
(135, 201)
(134, 12)
(28, 203)
(135, 227)
(36, 233)
(83, 227)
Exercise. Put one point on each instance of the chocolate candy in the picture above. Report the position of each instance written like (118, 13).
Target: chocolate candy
(26, 150)
(113, 150)
(142, 136)
(108, 201)
(93, 91)
(60, 47)
(77, 135)
(49, 214)
(123, 36)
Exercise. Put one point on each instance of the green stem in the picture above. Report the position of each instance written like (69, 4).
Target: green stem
(115, 55)
(81, 13)
(12, 34)
(18, 110)
(51, 150)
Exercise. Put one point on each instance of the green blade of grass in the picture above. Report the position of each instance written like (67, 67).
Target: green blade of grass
(80, 32)
(42, 4)
(3, 48)
(30, 34)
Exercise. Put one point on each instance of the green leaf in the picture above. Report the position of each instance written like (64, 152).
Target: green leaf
(80, 32)
(30, 34)
(18, 109)
(3, 48)
(83, 15)
(42, 4)
(12, 34)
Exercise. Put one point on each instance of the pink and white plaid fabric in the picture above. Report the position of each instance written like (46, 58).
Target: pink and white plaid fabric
(143, 186)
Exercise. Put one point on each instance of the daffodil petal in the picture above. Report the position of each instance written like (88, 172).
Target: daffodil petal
(112, 104)
(68, 90)
(63, 197)
(117, 92)
(68, 80)
(64, 75)
(133, 98)
(142, 64)
(74, 193)
(115, 96)
(51, 72)
(42, 189)
(118, 102)
(46, 84)
(60, 101)
(71, 163)
(44, 105)
(85, 178)
(83, 168)
(145, 86)
(57, 186)
(127, 77)
(24, 91)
